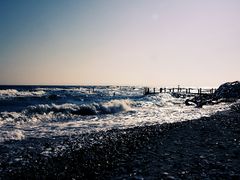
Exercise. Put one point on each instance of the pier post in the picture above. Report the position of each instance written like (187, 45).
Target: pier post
(146, 91)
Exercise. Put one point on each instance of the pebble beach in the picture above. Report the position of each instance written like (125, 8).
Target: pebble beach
(205, 148)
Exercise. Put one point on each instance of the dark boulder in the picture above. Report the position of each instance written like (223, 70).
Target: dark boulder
(236, 107)
(228, 90)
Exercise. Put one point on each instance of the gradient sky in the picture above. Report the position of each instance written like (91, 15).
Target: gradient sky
(120, 42)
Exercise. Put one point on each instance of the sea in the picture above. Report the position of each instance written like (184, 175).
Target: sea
(55, 111)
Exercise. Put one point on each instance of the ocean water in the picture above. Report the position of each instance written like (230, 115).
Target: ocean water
(52, 111)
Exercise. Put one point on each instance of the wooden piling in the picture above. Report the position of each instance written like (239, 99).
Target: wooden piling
(179, 90)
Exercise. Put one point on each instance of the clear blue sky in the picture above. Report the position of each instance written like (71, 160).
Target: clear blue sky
(128, 42)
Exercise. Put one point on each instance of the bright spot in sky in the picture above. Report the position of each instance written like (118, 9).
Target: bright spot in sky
(155, 16)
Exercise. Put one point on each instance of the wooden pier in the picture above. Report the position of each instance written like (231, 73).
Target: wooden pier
(178, 90)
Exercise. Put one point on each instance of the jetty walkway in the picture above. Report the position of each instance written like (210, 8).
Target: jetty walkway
(179, 90)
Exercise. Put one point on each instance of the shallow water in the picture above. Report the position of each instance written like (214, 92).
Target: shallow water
(45, 111)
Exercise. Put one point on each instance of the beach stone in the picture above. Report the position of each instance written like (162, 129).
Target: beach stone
(170, 177)
(236, 107)
(228, 90)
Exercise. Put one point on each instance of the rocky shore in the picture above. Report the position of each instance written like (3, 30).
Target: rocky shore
(227, 92)
(206, 148)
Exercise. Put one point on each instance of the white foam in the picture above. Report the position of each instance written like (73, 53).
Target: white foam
(8, 92)
(46, 120)
(15, 134)
(15, 93)
(53, 112)
(116, 106)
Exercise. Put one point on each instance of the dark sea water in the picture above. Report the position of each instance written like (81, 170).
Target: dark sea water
(46, 111)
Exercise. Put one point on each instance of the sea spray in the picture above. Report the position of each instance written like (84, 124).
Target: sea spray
(32, 114)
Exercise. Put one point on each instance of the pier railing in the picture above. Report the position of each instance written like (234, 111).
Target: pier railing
(193, 91)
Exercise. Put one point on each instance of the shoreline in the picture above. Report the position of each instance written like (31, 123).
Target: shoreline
(208, 147)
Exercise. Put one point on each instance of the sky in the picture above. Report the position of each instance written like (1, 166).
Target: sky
(119, 42)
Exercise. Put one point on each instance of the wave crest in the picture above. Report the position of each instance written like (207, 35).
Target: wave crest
(69, 111)
(16, 93)
(110, 107)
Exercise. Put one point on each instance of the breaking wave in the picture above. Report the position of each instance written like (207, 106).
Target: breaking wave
(58, 111)
(111, 107)
(16, 93)
(68, 110)
(163, 100)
